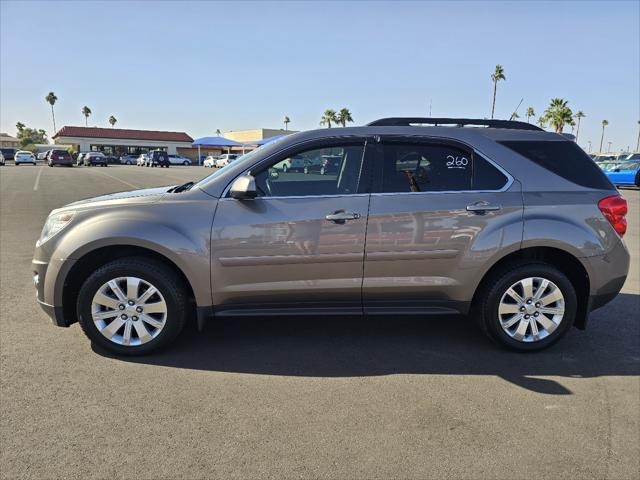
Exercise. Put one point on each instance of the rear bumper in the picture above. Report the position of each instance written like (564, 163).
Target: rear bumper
(607, 274)
(61, 162)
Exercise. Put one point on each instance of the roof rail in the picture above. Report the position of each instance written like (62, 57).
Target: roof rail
(458, 122)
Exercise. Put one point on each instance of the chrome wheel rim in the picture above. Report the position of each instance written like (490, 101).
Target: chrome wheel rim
(531, 309)
(129, 311)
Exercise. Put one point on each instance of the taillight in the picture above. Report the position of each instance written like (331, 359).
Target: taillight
(614, 208)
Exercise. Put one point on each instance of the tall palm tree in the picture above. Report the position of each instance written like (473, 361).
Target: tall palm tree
(542, 121)
(287, 120)
(112, 121)
(86, 111)
(20, 126)
(496, 76)
(558, 114)
(344, 117)
(217, 132)
(530, 113)
(51, 99)
(579, 115)
(329, 117)
(604, 124)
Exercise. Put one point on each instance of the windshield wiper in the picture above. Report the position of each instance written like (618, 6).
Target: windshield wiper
(181, 188)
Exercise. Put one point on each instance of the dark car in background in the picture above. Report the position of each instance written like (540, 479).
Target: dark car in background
(92, 159)
(8, 153)
(158, 158)
(59, 157)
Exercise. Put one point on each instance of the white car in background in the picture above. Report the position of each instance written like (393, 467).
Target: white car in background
(1, 159)
(226, 159)
(22, 156)
(142, 160)
(210, 161)
(179, 160)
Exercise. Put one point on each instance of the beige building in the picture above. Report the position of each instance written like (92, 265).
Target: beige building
(7, 141)
(245, 136)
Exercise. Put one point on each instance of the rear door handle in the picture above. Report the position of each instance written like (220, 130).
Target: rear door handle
(342, 216)
(481, 207)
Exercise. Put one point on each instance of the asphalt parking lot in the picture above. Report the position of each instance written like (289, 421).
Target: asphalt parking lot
(321, 398)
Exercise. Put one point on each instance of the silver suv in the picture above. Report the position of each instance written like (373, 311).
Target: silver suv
(513, 225)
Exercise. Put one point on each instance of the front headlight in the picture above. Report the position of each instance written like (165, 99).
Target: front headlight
(54, 224)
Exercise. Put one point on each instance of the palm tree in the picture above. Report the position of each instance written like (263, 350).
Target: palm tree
(86, 111)
(217, 132)
(514, 116)
(329, 117)
(579, 115)
(20, 126)
(112, 120)
(604, 124)
(496, 76)
(542, 121)
(558, 114)
(572, 124)
(344, 117)
(287, 120)
(51, 99)
(530, 113)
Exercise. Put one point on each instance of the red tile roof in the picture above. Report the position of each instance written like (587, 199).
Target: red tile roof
(120, 133)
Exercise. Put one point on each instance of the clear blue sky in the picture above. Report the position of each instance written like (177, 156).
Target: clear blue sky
(199, 66)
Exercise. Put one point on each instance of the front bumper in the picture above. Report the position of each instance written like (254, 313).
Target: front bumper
(48, 291)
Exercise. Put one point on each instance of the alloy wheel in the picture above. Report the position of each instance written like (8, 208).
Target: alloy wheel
(531, 309)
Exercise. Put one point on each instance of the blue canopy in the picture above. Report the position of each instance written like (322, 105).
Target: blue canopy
(266, 140)
(216, 142)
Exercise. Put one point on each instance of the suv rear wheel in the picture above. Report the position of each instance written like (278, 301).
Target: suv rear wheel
(527, 307)
(132, 306)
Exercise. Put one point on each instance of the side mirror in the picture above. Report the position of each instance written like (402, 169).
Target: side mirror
(244, 188)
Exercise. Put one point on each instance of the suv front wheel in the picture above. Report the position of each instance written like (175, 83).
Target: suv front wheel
(527, 307)
(132, 306)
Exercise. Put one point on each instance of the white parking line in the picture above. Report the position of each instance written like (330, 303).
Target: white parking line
(37, 184)
(118, 179)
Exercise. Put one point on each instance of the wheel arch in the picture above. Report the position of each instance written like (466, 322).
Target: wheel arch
(93, 259)
(566, 262)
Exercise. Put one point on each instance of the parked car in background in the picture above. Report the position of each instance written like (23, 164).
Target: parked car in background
(158, 158)
(23, 156)
(59, 157)
(1, 159)
(605, 158)
(424, 221)
(210, 161)
(225, 159)
(179, 160)
(112, 160)
(632, 156)
(42, 155)
(142, 160)
(91, 159)
(625, 173)
(128, 159)
(8, 153)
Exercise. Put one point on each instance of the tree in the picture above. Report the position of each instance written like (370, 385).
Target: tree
(530, 113)
(51, 99)
(30, 136)
(217, 132)
(112, 121)
(579, 115)
(604, 124)
(328, 118)
(496, 76)
(514, 116)
(558, 114)
(286, 123)
(344, 117)
(542, 121)
(86, 111)
(20, 126)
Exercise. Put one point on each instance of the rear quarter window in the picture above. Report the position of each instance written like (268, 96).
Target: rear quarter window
(565, 159)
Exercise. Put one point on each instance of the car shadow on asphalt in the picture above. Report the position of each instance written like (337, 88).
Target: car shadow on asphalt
(357, 347)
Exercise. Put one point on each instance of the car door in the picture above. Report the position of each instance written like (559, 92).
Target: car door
(299, 246)
(438, 212)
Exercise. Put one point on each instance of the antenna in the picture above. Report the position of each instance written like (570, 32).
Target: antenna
(516, 110)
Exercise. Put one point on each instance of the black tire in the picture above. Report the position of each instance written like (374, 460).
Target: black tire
(185, 163)
(162, 277)
(486, 308)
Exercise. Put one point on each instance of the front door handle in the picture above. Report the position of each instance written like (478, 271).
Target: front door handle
(481, 207)
(342, 216)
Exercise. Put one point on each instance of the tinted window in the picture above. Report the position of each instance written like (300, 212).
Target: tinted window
(486, 176)
(322, 171)
(565, 159)
(413, 167)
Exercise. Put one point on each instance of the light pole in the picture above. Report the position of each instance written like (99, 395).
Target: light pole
(609, 150)
(589, 142)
